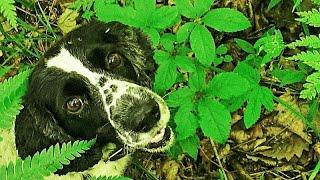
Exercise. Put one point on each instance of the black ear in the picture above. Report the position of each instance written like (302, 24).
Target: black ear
(36, 129)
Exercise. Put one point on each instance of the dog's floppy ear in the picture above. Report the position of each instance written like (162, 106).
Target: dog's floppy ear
(36, 127)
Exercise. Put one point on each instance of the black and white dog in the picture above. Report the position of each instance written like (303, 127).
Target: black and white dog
(93, 83)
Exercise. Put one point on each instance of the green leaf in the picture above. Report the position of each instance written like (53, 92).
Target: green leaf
(163, 17)
(161, 56)
(8, 10)
(245, 45)
(197, 79)
(288, 76)
(311, 41)
(186, 8)
(222, 49)
(248, 72)
(4, 70)
(166, 76)
(190, 146)
(227, 58)
(186, 121)
(153, 34)
(235, 103)
(228, 85)
(180, 97)
(215, 120)
(257, 97)
(184, 31)
(185, 63)
(145, 5)
(202, 6)
(226, 20)
(203, 45)
(11, 94)
(167, 41)
(272, 4)
(312, 87)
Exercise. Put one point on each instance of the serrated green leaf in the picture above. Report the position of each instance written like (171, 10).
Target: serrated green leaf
(257, 97)
(166, 76)
(153, 34)
(228, 85)
(186, 8)
(312, 87)
(145, 5)
(190, 146)
(202, 44)
(215, 120)
(12, 91)
(163, 17)
(272, 4)
(197, 79)
(202, 6)
(8, 10)
(167, 41)
(185, 63)
(161, 56)
(245, 45)
(186, 121)
(235, 103)
(288, 76)
(184, 32)
(226, 20)
(180, 97)
(248, 72)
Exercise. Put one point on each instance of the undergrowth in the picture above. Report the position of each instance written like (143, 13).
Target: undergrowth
(202, 95)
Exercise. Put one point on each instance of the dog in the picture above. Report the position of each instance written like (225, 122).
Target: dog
(95, 83)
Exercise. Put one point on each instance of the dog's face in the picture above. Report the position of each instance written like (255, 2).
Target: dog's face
(94, 84)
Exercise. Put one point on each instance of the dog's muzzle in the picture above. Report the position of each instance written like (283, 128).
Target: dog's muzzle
(138, 115)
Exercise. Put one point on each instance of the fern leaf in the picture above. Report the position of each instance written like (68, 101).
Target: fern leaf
(44, 163)
(311, 41)
(312, 87)
(10, 98)
(310, 17)
(311, 58)
(8, 10)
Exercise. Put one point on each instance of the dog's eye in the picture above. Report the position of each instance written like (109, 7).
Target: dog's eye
(74, 104)
(114, 60)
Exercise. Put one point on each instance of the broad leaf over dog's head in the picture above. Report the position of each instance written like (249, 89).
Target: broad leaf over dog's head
(94, 82)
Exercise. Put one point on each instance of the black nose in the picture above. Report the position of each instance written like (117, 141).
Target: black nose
(145, 117)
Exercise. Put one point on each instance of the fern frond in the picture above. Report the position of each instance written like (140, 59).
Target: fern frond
(312, 87)
(311, 58)
(44, 163)
(311, 18)
(10, 98)
(8, 10)
(311, 41)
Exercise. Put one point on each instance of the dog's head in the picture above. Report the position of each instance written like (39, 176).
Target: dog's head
(95, 83)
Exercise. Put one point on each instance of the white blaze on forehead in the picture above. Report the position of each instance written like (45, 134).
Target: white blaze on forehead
(68, 63)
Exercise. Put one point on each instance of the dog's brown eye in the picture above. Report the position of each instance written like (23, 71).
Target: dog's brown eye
(114, 60)
(74, 104)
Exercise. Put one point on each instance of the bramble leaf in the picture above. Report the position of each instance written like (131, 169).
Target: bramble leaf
(248, 72)
(186, 8)
(180, 97)
(166, 76)
(288, 76)
(215, 120)
(184, 31)
(186, 121)
(228, 85)
(163, 17)
(226, 20)
(245, 45)
(203, 45)
(202, 6)
(191, 145)
(185, 63)
(197, 79)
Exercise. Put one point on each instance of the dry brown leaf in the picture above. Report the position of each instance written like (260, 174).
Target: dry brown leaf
(171, 169)
(265, 160)
(67, 21)
(290, 120)
(287, 148)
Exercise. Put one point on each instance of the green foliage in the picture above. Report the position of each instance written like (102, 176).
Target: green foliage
(10, 98)
(46, 162)
(4, 70)
(272, 4)
(85, 6)
(8, 10)
(110, 178)
(311, 18)
(288, 76)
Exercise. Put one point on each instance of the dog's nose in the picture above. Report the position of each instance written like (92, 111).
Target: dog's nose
(146, 116)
